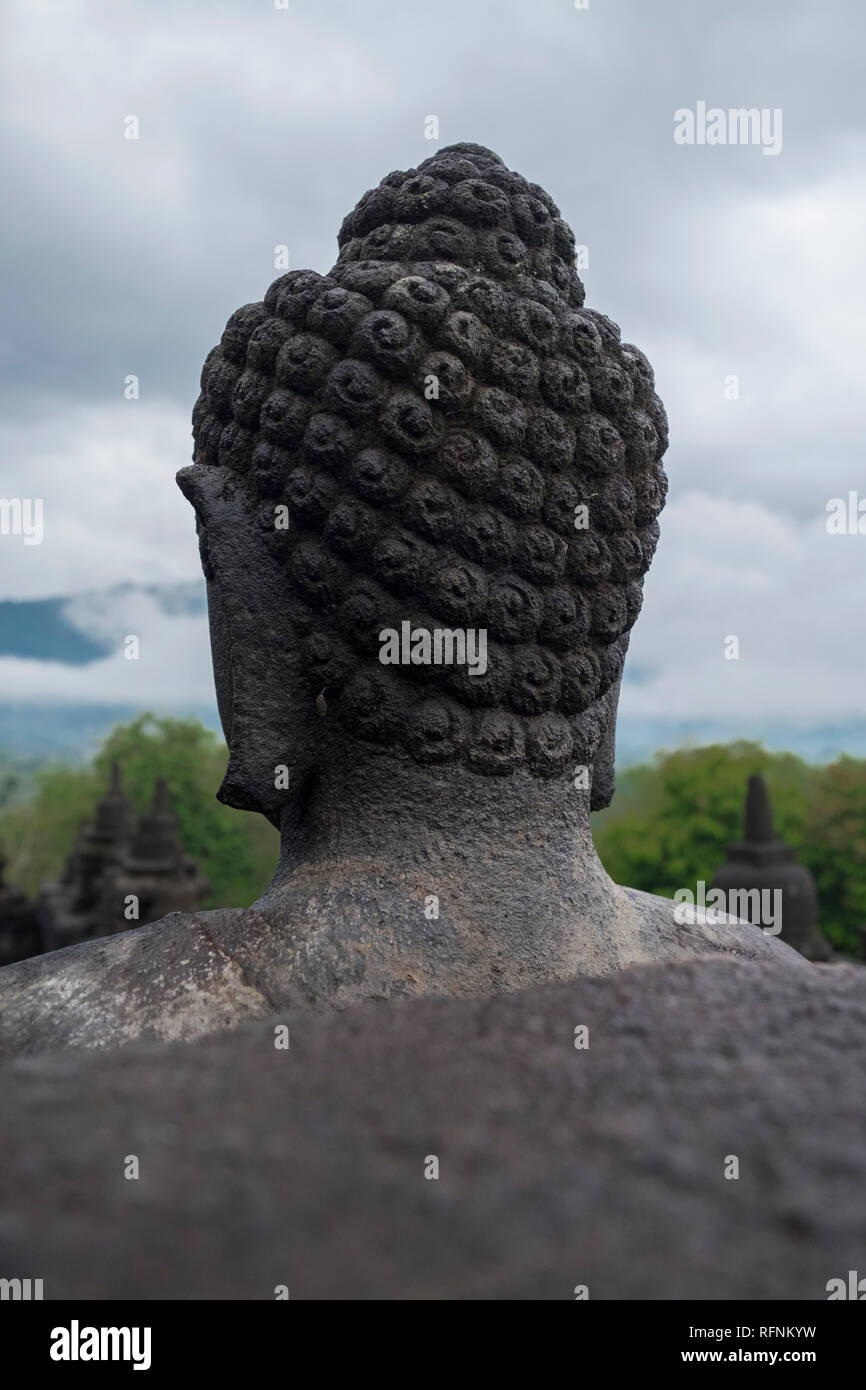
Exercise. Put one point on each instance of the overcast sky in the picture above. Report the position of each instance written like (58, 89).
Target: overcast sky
(261, 126)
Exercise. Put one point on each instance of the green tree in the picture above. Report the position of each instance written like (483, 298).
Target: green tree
(38, 834)
(834, 848)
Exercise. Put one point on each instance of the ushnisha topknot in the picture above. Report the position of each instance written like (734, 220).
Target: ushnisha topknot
(432, 412)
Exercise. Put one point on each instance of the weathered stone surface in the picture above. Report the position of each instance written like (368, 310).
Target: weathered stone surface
(557, 1166)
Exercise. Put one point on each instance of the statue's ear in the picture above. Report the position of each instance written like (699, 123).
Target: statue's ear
(266, 706)
(603, 775)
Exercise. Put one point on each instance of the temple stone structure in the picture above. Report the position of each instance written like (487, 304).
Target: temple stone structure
(68, 908)
(434, 449)
(20, 933)
(153, 874)
(761, 864)
(123, 871)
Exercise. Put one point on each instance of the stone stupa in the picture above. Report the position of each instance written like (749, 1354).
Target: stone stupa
(153, 875)
(122, 872)
(761, 863)
(68, 906)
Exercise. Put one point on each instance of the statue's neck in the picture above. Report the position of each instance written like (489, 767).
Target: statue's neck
(380, 810)
(437, 880)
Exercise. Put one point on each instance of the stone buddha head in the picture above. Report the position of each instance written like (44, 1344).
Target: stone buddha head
(436, 433)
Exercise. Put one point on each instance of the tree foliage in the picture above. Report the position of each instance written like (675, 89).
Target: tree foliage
(672, 820)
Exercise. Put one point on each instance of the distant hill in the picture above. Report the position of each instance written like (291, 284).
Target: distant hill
(41, 630)
(638, 738)
(51, 629)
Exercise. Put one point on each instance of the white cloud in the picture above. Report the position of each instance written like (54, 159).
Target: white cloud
(792, 594)
(769, 289)
(112, 509)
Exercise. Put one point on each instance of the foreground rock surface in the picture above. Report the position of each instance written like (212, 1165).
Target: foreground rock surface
(557, 1167)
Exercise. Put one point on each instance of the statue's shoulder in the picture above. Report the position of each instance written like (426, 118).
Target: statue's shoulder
(670, 930)
(172, 979)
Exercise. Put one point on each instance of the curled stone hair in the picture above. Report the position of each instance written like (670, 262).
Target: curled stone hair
(457, 511)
